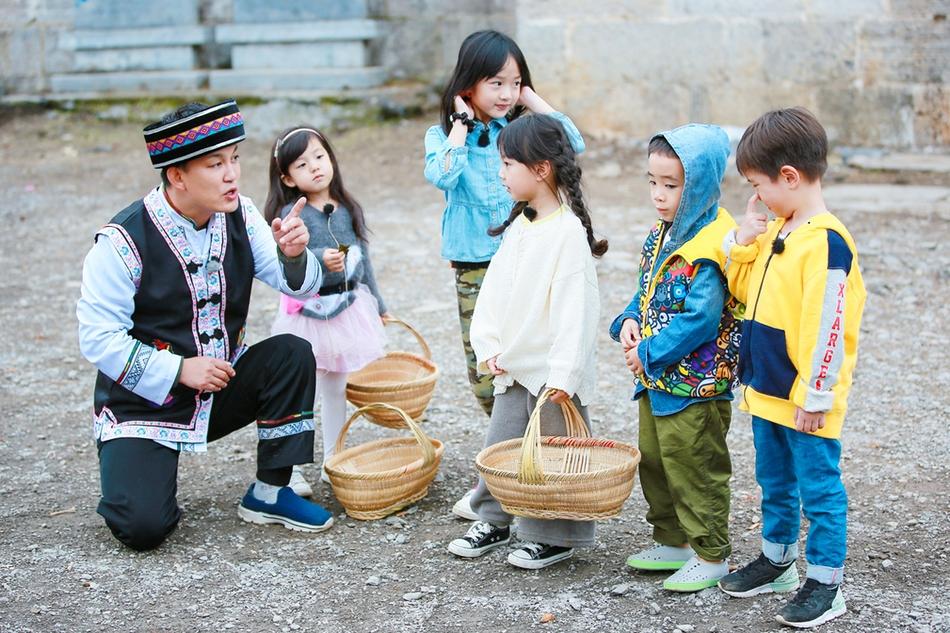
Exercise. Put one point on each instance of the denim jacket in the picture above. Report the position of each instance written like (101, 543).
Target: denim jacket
(475, 198)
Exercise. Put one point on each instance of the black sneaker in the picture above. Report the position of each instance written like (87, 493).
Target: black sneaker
(814, 604)
(480, 539)
(760, 576)
(539, 555)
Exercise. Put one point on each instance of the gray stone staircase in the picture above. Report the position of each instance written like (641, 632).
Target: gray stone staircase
(133, 47)
(325, 55)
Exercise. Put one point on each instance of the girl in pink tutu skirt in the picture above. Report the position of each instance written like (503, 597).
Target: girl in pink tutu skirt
(344, 323)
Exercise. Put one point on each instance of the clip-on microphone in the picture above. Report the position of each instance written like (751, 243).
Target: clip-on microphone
(778, 245)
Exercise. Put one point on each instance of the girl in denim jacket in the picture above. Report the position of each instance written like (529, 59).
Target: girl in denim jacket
(490, 86)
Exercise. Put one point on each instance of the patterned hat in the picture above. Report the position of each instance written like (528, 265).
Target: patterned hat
(195, 135)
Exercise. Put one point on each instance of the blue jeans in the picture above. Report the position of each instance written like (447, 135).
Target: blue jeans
(799, 471)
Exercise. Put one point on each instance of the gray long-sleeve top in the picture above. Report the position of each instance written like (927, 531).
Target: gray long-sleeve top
(340, 222)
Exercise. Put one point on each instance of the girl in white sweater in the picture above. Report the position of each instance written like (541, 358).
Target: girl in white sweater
(535, 324)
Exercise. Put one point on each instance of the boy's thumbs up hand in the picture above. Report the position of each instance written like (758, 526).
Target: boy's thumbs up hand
(291, 233)
(753, 224)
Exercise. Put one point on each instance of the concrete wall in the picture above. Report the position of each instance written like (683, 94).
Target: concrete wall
(874, 71)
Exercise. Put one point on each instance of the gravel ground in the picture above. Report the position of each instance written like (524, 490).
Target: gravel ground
(62, 176)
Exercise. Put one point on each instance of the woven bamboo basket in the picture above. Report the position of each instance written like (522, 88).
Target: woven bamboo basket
(402, 379)
(375, 479)
(555, 477)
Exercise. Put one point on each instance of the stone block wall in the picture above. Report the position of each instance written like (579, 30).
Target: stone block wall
(424, 35)
(874, 71)
(131, 48)
(29, 51)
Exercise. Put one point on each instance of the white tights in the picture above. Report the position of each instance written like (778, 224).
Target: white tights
(331, 396)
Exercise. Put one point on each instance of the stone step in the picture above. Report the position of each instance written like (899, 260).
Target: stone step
(257, 12)
(324, 30)
(105, 14)
(253, 81)
(264, 119)
(897, 161)
(156, 82)
(128, 59)
(159, 36)
(299, 55)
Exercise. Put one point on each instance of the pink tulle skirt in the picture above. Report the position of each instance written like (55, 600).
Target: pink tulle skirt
(347, 342)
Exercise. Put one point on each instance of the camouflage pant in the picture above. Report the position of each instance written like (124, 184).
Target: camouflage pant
(467, 285)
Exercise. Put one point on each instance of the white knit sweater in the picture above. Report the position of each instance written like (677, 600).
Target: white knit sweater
(538, 308)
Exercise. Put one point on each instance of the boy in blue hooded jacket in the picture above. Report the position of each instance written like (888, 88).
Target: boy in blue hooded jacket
(680, 338)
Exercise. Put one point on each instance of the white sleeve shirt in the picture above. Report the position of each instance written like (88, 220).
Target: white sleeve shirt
(107, 302)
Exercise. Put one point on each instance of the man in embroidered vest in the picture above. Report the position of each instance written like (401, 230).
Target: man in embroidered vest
(165, 295)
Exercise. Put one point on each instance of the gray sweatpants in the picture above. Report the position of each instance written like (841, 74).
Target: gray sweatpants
(509, 419)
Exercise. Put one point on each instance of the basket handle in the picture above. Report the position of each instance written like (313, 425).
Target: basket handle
(428, 453)
(531, 471)
(426, 352)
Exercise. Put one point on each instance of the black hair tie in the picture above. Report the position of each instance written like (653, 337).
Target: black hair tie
(463, 117)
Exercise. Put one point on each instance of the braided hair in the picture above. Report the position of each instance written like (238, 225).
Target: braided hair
(537, 138)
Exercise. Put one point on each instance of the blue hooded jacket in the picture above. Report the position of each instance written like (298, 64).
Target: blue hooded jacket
(696, 317)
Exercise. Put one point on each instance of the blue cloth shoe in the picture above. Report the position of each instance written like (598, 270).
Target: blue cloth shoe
(290, 510)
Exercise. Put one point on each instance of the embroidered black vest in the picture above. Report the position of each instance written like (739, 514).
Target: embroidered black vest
(184, 304)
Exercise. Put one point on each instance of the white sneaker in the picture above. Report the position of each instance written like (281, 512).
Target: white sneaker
(299, 484)
(696, 575)
(660, 558)
(463, 507)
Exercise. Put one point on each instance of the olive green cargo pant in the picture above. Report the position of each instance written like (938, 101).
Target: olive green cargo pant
(684, 472)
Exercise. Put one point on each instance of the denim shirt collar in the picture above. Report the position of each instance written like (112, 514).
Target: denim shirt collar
(500, 122)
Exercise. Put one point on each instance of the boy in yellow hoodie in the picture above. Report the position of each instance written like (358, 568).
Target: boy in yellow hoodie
(799, 278)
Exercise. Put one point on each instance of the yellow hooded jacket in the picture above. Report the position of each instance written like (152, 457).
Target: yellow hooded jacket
(803, 313)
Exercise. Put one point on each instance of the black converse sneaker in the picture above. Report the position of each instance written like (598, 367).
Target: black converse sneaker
(480, 539)
(760, 576)
(539, 555)
(814, 604)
